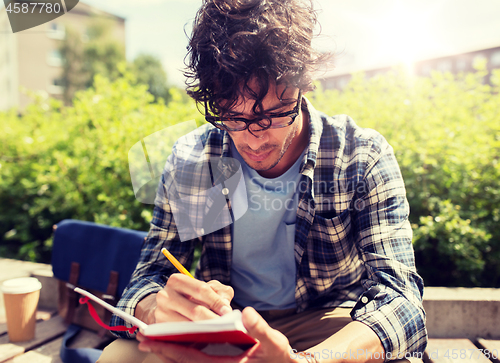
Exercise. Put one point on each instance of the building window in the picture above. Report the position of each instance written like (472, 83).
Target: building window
(444, 65)
(495, 59)
(54, 58)
(56, 31)
(461, 65)
(57, 86)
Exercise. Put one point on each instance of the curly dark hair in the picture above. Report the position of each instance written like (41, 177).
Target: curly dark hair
(237, 41)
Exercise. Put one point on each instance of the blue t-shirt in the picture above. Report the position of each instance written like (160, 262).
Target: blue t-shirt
(263, 270)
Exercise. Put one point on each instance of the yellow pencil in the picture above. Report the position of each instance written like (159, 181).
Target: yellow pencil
(176, 263)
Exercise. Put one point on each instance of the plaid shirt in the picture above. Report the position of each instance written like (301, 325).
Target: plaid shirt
(352, 241)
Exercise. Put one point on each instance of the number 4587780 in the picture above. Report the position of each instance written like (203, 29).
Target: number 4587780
(29, 7)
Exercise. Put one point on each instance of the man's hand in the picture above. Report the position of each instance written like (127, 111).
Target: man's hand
(272, 346)
(186, 299)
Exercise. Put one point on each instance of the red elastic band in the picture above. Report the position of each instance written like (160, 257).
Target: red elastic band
(95, 316)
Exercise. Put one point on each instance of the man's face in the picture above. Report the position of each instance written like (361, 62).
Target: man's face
(273, 151)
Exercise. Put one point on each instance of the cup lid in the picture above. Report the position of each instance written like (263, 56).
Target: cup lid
(21, 285)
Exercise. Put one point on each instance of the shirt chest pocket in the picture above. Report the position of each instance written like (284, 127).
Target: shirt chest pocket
(331, 248)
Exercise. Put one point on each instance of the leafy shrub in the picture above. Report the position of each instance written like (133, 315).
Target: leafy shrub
(448, 248)
(445, 131)
(71, 162)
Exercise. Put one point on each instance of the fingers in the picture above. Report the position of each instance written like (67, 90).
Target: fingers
(269, 339)
(174, 306)
(199, 292)
(222, 290)
(255, 324)
(184, 298)
(140, 337)
(226, 294)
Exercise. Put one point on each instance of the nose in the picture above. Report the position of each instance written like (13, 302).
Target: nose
(255, 139)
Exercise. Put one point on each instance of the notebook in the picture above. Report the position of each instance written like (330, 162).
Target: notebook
(224, 329)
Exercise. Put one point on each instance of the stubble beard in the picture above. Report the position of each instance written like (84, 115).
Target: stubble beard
(287, 144)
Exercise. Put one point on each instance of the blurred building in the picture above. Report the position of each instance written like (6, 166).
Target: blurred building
(454, 63)
(31, 59)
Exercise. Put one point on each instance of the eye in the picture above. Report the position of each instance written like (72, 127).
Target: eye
(265, 122)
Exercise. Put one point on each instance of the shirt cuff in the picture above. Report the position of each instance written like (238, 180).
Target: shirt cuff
(399, 324)
(129, 301)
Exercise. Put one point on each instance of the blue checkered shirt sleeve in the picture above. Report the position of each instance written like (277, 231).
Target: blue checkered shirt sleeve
(392, 302)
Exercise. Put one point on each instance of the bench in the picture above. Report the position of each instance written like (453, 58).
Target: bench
(462, 323)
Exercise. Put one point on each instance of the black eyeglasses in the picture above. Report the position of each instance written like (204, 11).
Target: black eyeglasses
(269, 121)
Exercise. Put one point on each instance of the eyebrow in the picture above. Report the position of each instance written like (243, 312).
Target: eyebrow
(267, 111)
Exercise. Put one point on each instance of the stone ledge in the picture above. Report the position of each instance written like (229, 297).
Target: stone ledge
(432, 293)
(458, 312)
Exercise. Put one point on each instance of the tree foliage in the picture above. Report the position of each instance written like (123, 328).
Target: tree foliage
(86, 55)
(98, 52)
(73, 76)
(149, 70)
(71, 162)
(102, 52)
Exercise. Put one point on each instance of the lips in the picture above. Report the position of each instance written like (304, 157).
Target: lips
(258, 157)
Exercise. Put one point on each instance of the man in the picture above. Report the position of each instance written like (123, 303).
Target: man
(330, 272)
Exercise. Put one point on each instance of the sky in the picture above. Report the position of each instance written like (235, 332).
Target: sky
(363, 33)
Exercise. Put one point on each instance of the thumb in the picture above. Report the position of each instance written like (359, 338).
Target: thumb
(259, 329)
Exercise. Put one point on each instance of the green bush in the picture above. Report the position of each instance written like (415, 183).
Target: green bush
(445, 131)
(71, 162)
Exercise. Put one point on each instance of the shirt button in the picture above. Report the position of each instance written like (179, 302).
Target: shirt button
(225, 191)
(202, 231)
(364, 299)
(359, 205)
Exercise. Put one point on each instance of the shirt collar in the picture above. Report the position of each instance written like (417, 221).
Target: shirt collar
(226, 145)
(315, 132)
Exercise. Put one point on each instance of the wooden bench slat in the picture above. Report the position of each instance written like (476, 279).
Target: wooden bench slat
(51, 350)
(30, 357)
(8, 351)
(453, 351)
(45, 332)
(493, 347)
(3, 329)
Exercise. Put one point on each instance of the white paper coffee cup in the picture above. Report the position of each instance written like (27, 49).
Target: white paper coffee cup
(21, 297)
